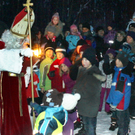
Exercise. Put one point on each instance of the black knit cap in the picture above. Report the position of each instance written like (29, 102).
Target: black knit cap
(131, 34)
(90, 55)
(48, 46)
(86, 25)
(99, 28)
(81, 42)
(123, 59)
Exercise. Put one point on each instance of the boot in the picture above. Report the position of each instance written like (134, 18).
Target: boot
(81, 131)
(113, 124)
(78, 123)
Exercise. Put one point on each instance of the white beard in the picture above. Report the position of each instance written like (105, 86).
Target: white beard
(11, 41)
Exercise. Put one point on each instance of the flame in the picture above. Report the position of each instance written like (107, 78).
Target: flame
(37, 52)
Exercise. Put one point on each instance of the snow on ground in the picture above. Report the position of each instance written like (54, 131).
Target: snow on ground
(103, 124)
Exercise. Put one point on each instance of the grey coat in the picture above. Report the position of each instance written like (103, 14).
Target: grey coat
(59, 28)
(88, 84)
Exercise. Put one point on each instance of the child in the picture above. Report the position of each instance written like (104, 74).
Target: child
(64, 73)
(131, 21)
(45, 82)
(74, 31)
(56, 79)
(53, 112)
(88, 85)
(55, 21)
(75, 55)
(106, 86)
(119, 97)
(64, 65)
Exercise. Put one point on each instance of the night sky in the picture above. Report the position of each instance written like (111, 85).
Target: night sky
(96, 12)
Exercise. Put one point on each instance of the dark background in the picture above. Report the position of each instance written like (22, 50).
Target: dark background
(96, 12)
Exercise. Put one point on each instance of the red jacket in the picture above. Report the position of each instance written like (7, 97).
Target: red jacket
(56, 81)
(35, 82)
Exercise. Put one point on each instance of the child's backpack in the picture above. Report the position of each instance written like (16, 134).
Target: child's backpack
(72, 41)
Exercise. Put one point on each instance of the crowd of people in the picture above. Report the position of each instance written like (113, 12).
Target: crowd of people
(98, 65)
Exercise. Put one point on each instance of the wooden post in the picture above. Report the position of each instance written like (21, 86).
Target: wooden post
(28, 4)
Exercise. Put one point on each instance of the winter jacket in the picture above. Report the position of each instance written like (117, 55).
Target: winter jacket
(116, 45)
(74, 69)
(45, 82)
(120, 93)
(50, 120)
(108, 82)
(56, 80)
(88, 85)
(132, 47)
(59, 28)
(69, 83)
(101, 47)
(35, 82)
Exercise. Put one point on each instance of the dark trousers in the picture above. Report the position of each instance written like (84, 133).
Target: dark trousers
(90, 125)
(122, 121)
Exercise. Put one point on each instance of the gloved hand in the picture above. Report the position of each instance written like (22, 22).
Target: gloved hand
(112, 107)
(52, 73)
(27, 52)
(106, 58)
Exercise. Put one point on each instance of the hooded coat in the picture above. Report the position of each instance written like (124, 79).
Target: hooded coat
(88, 85)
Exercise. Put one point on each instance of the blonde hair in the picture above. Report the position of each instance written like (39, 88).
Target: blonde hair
(60, 70)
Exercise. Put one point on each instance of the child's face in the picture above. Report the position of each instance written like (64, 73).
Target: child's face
(64, 68)
(110, 56)
(85, 30)
(74, 30)
(80, 27)
(101, 33)
(109, 28)
(59, 55)
(86, 63)
(119, 37)
(49, 53)
(50, 34)
(118, 63)
(129, 39)
(55, 20)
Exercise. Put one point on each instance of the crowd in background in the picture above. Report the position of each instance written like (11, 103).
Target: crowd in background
(95, 63)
